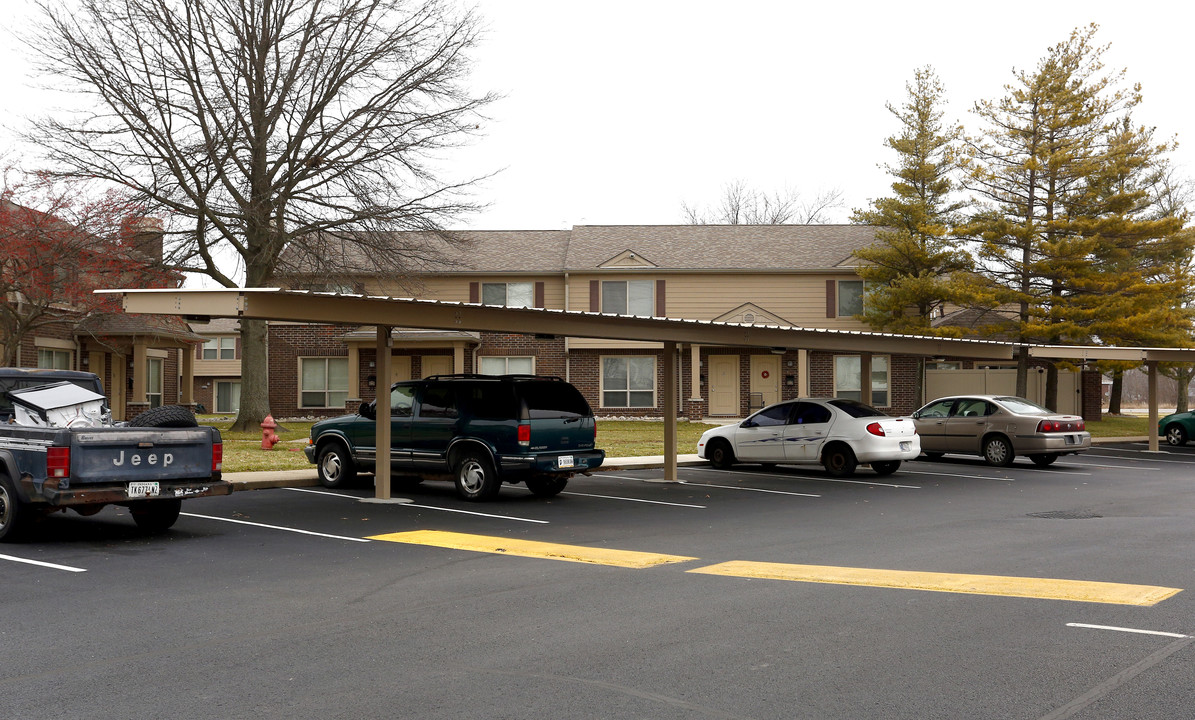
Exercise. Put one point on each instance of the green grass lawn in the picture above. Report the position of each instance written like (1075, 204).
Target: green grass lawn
(619, 438)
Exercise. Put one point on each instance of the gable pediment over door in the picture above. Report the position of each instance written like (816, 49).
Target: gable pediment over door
(628, 259)
(752, 314)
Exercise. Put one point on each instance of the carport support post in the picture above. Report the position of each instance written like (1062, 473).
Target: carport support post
(381, 476)
(1152, 366)
(670, 407)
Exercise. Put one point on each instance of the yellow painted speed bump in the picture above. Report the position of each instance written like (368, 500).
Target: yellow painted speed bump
(1043, 588)
(532, 548)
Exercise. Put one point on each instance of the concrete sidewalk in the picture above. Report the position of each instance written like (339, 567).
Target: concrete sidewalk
(307, 476)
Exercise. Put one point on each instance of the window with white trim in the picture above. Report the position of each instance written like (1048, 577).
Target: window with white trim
(629, 381)
(221, 348)
(850, 298)
(324, 382)
(506, 365)
(629, 297)
(54, 359)
(153, 382)
(511, 294)
(847, 371)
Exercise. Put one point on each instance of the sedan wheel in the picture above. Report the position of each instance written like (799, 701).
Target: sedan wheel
(997, 451)
(1176, 435)
(885, 468)
(720, 455)
(839, 461)
(1043, 460)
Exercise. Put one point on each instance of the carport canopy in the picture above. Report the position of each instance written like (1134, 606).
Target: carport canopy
(389, 312)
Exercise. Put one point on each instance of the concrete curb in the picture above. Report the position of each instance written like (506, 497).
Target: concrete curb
(308, 478)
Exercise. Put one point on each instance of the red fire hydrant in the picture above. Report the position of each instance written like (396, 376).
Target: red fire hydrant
(268, 436)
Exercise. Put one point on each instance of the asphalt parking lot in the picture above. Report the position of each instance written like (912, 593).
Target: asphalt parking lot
(949, 589)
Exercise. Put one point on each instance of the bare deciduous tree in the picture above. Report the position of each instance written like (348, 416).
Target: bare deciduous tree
(256, 126)
(742, 205)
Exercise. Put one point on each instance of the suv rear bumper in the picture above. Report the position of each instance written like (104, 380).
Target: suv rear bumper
(550, 463)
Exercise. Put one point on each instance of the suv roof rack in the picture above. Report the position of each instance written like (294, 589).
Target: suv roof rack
(479, 376)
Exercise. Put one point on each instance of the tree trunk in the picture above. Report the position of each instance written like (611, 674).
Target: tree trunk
(1051, 400)
(255, 376)
(1115, 393)
(1183, 381)
(1023, 372)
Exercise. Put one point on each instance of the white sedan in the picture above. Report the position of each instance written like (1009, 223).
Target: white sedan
(840, 434)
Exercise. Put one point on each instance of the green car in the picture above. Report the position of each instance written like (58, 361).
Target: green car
(1177, 428)
(480, 430)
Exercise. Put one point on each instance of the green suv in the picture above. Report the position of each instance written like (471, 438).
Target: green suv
(483, 430)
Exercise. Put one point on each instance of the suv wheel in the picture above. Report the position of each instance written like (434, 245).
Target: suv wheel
(476, 478)
(335, 466)
(546, 485)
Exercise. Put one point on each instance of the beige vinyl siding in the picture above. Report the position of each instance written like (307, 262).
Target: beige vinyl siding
(455, 288)
(218, 368)
(798, 298)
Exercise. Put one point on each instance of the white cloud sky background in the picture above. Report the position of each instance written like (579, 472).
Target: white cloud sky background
(618, 112)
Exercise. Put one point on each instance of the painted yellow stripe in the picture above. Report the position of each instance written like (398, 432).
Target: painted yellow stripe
(1043, 588)
(532, 548)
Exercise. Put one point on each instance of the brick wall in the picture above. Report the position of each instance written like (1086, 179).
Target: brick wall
(288, 343)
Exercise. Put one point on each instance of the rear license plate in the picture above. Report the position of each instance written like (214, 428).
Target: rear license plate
(143, 489)
(1072, 439)
(564, 461)
(906, 445)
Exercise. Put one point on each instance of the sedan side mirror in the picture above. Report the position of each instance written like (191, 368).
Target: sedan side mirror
(748, 424)
(366, 410)
(916, 415)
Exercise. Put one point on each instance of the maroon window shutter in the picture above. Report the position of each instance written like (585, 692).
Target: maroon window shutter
(237, 352)
(474, 292)
(831, 302)
(539, 294)
(199, 351)
(594, 296)
(660, 299)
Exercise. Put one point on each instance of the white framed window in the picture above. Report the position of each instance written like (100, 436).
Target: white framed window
(228, 396)
(847, 371)
(943, 365)
(323, 382)
(221, 348)
(512, 294)
(629, 381)
(850, 298)
(506, 365)
(54, 359)
(629, 297)
(153, 382)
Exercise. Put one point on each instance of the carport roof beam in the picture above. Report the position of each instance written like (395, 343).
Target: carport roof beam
(1103, 352)
(306, 306)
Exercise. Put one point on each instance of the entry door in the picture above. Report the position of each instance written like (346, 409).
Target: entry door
(400, 368)
(437, 365)
(765, 378)
(724, 384)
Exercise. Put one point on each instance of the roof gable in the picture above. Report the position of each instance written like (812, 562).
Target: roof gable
(752, 314)
(628, 259)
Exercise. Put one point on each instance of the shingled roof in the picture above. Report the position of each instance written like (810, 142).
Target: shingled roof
(663, 247)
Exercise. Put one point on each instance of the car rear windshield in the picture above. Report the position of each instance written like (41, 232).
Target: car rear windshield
(553, 399)
(1022, 406)
(856, 409)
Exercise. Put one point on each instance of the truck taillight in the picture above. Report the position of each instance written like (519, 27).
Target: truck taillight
(524, 434)
(58, 462)
(217, 457)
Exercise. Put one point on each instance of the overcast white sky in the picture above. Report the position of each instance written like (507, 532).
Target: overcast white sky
(617, 112)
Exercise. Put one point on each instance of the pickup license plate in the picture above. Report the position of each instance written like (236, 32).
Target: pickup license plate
(564, 461)
(143, 489)
(906, 445)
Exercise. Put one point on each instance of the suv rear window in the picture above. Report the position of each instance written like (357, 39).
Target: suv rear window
(548, 399)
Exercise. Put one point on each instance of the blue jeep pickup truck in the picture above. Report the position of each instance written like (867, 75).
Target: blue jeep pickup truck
(60, 449)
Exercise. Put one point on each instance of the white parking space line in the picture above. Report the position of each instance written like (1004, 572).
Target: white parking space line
(749, 489)
(805, 477)
(426, 507)
(1151, 458)
(39, 563)
(638, 500)
(1127, 630)
(1074, 464)
(960, 475)
(275, 527)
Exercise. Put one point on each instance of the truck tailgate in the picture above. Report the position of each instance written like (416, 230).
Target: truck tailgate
(142, 454)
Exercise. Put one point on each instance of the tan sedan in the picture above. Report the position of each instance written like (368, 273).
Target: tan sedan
(998, 428)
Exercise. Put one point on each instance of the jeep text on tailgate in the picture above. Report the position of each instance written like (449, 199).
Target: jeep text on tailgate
(60, 449)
